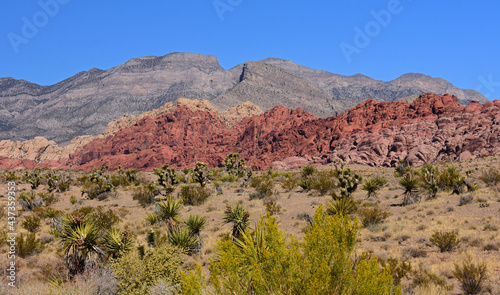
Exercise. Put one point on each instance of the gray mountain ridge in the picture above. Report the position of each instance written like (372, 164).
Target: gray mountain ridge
(86, 102)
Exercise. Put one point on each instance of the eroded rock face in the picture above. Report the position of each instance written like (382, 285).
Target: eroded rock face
(431, 129)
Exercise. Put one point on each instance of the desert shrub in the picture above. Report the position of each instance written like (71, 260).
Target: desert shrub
(324, 182)
(399, 269)
(28, 245)
(136, 275)
(228, 177)
(306, 184)
(465, 199)
(424, 278)
(72, 200)
(48, 199)
(31, 223)
(97, 184)
(308, 170)
(490, 227)
(152, 218)
(372, 185)
(201, 174)
(145, 194)
(413, 252)
(470, 275)
(33, 178)
(491, 177)
(29, 201)
(264, 187)
(193, 195)
(265, 262)
(102, 218)
(445, 241)
(342, 206)
(10, 175)
(289, 183)
(272, 206)
(429, 179)
(57, 182)
(372, 215)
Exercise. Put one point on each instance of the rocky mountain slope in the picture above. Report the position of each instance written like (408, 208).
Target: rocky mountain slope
(431, 129)
(85, 103)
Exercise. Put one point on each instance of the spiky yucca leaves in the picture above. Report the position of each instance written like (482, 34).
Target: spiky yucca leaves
(342, 206)
(117, 242)
(182, 238)
(195, 223)
(152, 218)
(372, 185)
(239, 217)
(410, 185)
(169, 211)
(82, 243)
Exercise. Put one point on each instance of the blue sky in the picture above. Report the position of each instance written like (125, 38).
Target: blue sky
(47, 41)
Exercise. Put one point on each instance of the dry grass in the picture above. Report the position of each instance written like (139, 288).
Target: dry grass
(403, 235)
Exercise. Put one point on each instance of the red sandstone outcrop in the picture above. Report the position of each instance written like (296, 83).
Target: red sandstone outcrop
(431, 129)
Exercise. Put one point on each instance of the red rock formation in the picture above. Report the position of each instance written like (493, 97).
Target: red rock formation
(431, 129)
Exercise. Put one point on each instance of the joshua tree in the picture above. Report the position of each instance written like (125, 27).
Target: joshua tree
(201, 173)
(239, 217)
(167, 177)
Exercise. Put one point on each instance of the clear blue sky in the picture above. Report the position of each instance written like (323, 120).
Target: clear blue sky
(455, 40)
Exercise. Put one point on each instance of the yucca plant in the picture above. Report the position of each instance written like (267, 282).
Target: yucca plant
(182, 238)
(195, 224)
(152, 218)
(342, 206)
(117, 242)
(81, 241)
(372, 185)
(169, 212)
(410, 185)
(239, 217)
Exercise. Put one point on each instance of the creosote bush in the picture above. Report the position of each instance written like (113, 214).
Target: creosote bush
(265, 261)
(445, 241)
(193, 195)
(135, 274)
(145, 194)
(470, 275)
(372, 215)
(264, 187)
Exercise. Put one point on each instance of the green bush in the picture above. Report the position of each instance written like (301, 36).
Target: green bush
(491, 177)
(103, 219)
(424, 278)
(97, 184)
(145, 194)
(272, 206)
(470, 275)
(289, 183)
(29, 245)
(445, 241)
(228, 177)
(31, 223)
(324, 182)
(372, 215)
(308, 170)
(181, 237)
(399, 269)
(264, 187)
(266, 262)
(137, 275)
(193, 195)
